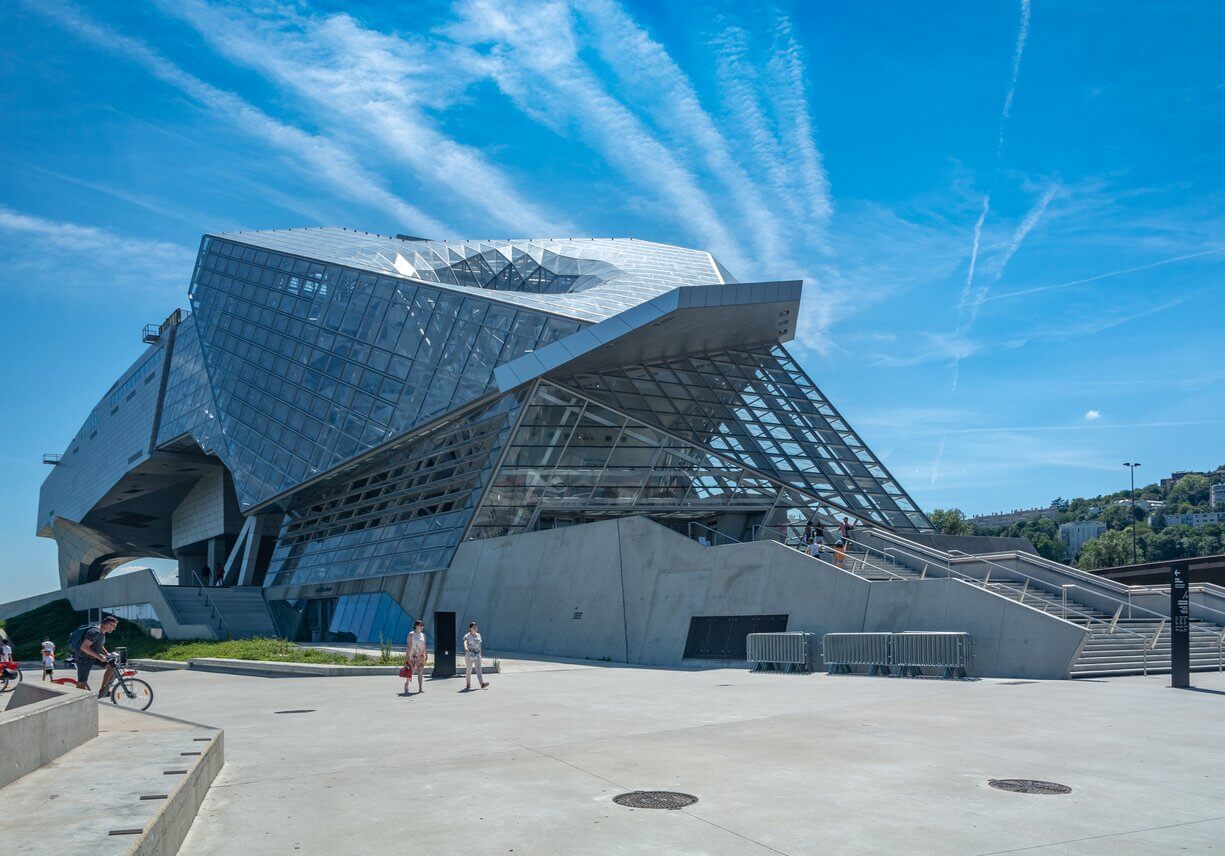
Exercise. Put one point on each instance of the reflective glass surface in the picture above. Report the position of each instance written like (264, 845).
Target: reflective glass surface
(574, 459)
(757, 406)
(373, 619)
(188, 407)
(404, 511)
(589, 279)
(313, 364)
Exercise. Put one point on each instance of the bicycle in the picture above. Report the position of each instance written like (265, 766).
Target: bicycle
(10, 675)
(125, 690)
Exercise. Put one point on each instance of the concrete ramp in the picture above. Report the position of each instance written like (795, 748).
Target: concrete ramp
(135, 788)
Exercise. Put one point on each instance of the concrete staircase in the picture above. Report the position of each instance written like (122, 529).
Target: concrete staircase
(234, 612)
(1119, 643)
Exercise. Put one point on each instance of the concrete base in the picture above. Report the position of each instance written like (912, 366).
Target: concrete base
(144, 777)
(41, 723)
(272, 669)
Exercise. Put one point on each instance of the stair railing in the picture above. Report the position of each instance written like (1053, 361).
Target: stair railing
(1150, 642)
(715, 532)
(212, 605)
(1063, 605)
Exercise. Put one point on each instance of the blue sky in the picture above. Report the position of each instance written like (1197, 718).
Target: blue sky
(1008, 217)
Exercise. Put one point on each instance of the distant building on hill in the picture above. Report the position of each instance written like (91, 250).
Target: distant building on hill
(1216, 494)
(1195, 518)
(1007, 518)
(1215, 475)
(1074, 535)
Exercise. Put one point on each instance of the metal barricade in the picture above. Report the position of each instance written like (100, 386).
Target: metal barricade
(901, 654)
(911, 652)
(779, 652)
(844, 651)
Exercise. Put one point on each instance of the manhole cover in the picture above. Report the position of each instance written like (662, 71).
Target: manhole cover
(1029, 786)
(308, 710)
(655, 799)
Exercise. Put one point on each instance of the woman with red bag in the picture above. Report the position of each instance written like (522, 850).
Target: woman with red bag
(414, 658)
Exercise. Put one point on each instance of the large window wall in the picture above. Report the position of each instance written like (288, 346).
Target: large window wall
(756, 406)
(403, 512)
(312, 364)
(188, 407)
(575, 459)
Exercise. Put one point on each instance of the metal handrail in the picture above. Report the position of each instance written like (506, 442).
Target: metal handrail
(862, 564)
(1150, 642)
(211, 604)
(716, 532)
(1165, 590)
(985, 583)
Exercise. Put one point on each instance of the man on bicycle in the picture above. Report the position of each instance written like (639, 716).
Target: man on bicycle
(93, 650)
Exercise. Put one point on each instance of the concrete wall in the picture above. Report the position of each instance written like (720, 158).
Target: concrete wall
(637, 584)
(135, 587)
(41, 723)
(210, 509)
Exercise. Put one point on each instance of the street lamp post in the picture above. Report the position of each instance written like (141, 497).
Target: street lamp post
(1132, 467)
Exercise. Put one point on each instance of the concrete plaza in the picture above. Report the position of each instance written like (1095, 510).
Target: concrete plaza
(780, 764)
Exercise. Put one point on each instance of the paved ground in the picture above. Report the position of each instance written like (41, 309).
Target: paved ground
(781, 764)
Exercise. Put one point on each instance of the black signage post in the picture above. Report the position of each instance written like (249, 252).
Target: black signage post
(444, 645)
(1180, 627)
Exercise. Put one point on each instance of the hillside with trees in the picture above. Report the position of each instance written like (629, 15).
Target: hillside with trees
(1155, 540)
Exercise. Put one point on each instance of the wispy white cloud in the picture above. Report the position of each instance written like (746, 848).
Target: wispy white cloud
(87, 261)
(656, 85)
(378, 91)
(547, 74)
(315, 156)
(1023, 292)
(742, 91)
(788, 93)
(1018, 51)
(1092, 415)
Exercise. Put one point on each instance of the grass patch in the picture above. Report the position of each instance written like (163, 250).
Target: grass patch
(58, 619)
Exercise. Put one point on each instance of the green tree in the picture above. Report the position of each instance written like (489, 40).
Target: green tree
(1158, 522)
(1192, 489)
(951, 521)
(1107, 550)
(1116, 516)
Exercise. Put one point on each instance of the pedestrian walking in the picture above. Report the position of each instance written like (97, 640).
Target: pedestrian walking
(415, 656)
(472, 657)
(6, 651)
(846, 528)
(219, 574)
(840, 555)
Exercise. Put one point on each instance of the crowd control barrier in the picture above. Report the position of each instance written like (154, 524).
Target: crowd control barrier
(780, 652)
(844, 651)
(903, 654)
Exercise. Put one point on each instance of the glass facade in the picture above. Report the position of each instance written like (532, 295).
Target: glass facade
(573, 459)
(757, 406)
(189, 407)
(346, 380)
(403, 512)
(313, 364)
(364, 619)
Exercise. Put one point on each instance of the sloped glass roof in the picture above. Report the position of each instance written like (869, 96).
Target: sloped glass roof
(588, 279)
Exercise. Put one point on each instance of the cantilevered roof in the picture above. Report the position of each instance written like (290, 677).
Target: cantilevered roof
(588, 279)
(686, 320)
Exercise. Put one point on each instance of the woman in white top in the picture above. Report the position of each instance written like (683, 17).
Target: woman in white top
(416, 656)
(472, 657)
